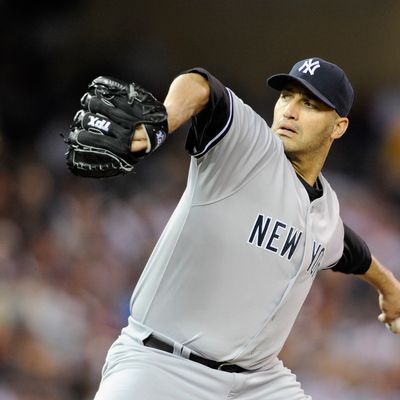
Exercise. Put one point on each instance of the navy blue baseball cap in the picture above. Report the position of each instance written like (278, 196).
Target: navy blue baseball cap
(323, 79)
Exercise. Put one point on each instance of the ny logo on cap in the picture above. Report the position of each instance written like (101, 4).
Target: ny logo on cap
(309, 66)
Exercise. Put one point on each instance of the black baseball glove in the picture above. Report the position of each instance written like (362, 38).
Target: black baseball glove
(99, 141)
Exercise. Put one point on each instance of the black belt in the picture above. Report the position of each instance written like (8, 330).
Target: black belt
(156, 343)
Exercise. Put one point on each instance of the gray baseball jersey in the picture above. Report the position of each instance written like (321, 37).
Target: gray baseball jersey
(235, 262)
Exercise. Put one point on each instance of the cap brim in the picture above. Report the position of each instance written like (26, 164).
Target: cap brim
(279, 81)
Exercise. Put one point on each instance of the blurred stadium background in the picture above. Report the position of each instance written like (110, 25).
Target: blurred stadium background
(71, 249)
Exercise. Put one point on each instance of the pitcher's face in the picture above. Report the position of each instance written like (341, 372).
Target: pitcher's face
(301, 121)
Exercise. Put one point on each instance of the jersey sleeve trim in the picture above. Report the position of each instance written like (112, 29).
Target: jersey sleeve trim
(210, 125)
(222, 133)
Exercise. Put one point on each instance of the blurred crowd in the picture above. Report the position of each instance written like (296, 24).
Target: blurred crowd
(72, 249)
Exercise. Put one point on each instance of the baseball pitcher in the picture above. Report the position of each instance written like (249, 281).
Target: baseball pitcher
(255, 224)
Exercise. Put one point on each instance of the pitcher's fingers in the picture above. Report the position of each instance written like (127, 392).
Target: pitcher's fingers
(382, 317)
(140, 139)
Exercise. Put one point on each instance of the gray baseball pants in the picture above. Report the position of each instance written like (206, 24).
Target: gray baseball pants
(135, 372)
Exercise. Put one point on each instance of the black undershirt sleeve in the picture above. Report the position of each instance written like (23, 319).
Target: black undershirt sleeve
(356, 258)
(211, 125)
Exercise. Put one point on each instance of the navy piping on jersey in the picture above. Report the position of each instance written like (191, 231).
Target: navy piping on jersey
(223, 131)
